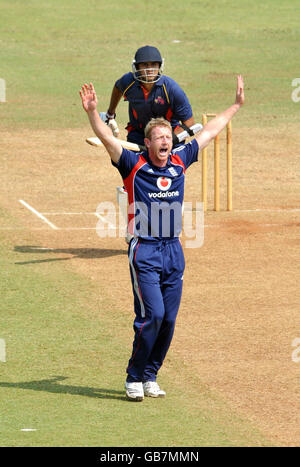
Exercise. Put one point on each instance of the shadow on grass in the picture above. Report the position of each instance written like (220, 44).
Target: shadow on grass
(52, 385)
(85, 253)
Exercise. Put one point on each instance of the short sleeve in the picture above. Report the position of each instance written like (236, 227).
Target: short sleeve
(180, 104)
(188, 153)
(126, 162)
(123, 83)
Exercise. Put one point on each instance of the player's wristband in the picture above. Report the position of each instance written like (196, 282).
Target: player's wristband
(175, 139)
(110, 116)
(186, 128)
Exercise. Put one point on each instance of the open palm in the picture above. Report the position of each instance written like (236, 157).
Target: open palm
(88, 97)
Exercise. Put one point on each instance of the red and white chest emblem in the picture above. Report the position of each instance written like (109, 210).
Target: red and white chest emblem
(159, 100)
(164, 183)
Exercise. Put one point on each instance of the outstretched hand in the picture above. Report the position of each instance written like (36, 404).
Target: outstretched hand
(240, 97)
(88, 97)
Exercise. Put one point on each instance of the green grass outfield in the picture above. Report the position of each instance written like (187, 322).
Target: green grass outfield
(64, 372)
(49, 48)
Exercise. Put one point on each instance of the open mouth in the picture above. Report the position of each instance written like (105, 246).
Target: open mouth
(163, 151)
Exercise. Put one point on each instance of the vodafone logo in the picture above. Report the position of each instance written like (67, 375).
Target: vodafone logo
(164, 183)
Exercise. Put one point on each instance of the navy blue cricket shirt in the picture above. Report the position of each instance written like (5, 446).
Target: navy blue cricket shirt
(166, 99)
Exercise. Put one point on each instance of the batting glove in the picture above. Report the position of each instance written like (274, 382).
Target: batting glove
(109, 119)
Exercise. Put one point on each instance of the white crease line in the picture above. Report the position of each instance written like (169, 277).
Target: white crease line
(109, 225)
(25, 228)
(187, 210)
(38, 214)
(78, 228)
(112, 227)
(267, 210)
(45, 228)
(62, 229)
(258, 224)
(68, 213)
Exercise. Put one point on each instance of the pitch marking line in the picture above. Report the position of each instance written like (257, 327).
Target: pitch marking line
(113, 227)
(69, 213)
(61, 229)
(109, 225)
(268, 210)
(38, 214)
(287, 210)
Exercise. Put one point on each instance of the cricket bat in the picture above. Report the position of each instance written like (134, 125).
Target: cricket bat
(94, 141)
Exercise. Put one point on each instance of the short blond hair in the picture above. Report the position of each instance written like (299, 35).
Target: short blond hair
(154, 122)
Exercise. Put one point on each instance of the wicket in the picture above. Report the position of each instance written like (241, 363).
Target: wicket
(217, 168)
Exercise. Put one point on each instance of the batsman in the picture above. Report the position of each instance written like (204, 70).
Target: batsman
(150, 94)
(155, 253)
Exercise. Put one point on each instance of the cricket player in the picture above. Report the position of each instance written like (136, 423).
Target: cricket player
(150, 94)
(154, 180)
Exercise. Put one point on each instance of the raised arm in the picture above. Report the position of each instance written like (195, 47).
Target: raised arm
(102, 131)
(216, 125)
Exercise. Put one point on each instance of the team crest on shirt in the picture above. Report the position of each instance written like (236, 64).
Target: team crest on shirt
(159, 100)
(164, 183)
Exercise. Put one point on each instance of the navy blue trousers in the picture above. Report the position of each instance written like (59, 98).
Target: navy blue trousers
(156, 269)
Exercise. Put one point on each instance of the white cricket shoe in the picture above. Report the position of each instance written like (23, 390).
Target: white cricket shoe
(151, 389)
(134, 391)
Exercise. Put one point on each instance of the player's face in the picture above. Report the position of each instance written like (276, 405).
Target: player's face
(148, 71)
(159, 145)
